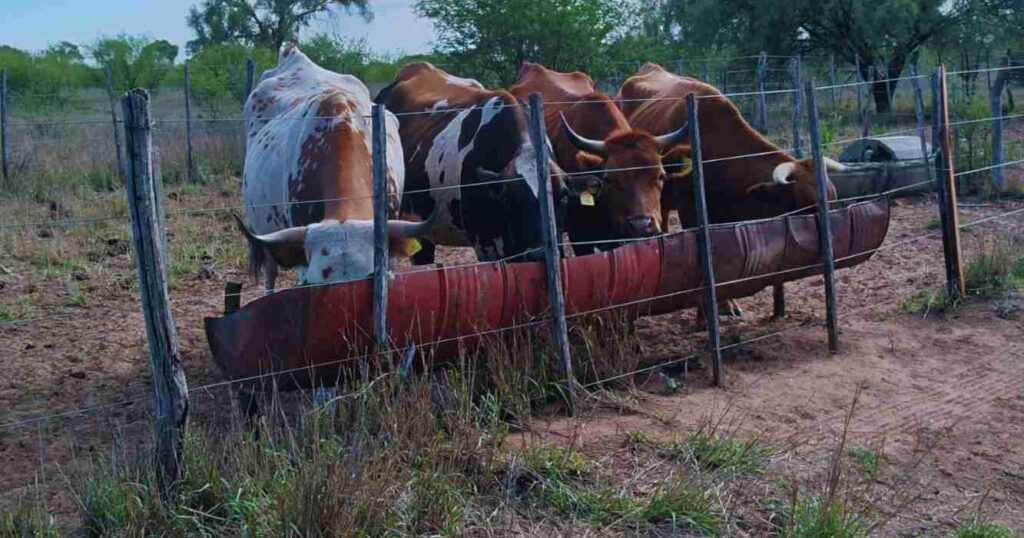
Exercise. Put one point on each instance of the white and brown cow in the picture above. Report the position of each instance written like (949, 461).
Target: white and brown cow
(307, 183)
(469, 156)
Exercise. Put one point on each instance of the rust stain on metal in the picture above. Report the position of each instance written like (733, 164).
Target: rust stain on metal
(307, 331)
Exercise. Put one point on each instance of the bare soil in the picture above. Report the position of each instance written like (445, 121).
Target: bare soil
(943, 393)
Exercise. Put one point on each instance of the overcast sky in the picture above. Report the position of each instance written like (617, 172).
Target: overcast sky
(35, 24)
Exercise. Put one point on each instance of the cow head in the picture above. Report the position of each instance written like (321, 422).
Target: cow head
(793, 186)
(333, 251)
(630, 176)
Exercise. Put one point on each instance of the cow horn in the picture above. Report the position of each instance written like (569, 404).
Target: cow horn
(484, 174)
(398, 229)
(679, 136)
(782, 172)
(597, 147)
(833, 165)
(289, 236)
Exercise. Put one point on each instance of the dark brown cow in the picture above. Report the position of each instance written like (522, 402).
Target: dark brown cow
(590, 135)
(769, 184)
(468, 154)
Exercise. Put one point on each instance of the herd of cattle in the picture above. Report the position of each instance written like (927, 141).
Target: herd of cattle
(462, 171)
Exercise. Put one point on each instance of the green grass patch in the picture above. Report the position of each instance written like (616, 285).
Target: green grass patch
(994, 273)
(813, 516)
(982, 530)
(867, 460)
(27, 522)
(711, 451)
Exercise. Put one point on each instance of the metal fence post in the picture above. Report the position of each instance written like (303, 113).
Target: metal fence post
(794, 77)
(113, 120)
(550, 235)
(760, 107)
(915, 83)
(824, 221)
(4, 135)
(861, 115)
(169, 386)
(704, 245)
(706, 72)
(380, 228)
(679, 67)
(832, 78)
(949, 213)
(995, 97)
(188, 126)
(250, 78)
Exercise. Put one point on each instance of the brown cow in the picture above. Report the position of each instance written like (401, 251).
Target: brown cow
(768, 184)
(590, 135)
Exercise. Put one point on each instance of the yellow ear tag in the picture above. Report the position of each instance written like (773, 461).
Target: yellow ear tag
(586, 198)
(412, 246)
(687, 166)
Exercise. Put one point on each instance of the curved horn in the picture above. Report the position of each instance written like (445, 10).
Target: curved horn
(597, 147)
(679, 136)
(398, 229)
(833, 165)
(782, 172)
(289, 236)
(484, 174)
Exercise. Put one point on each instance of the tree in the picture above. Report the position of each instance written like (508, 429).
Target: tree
(260, 23)
(135, 61)
(491, 38)
(218, 75)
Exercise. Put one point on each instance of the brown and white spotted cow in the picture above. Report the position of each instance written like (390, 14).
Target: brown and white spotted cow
(307, 183)
(469, 156)
(619, 167)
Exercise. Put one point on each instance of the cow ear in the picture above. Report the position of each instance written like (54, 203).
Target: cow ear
(589, 161)
(765, 192)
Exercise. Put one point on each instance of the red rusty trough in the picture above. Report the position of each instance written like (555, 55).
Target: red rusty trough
(308, 334)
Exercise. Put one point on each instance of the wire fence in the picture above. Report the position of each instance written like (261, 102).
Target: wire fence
(166, 128)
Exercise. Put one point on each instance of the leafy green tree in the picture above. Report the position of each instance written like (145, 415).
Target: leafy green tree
(491, 38)
(261, 23)
(47, 79)
(218, 75)
(135, 61)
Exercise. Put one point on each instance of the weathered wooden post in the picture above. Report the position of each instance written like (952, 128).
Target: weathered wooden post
(250, 79)
(188, 126)
(704, 244)
(949, 212)
(4, 135)
(113, 120)
(832, 78)
(380, 228)
(824, 221)
(995, 97)
(861, 113)
(552, 258)
(169, 386)
(794, 77)
(915, 83)
(760, 107)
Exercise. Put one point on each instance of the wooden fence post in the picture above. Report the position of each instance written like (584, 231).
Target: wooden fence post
(188, 126)
(832, 78)
(169, 386)
(915, 83)
(113, 120)
(824, 221)
(250, 79)
(704, 245)
(552, 258)
(950, 216)
(380, 228)
(995, 97)
(4, 134)
(861, 113)
(794, 77)
(760, 107)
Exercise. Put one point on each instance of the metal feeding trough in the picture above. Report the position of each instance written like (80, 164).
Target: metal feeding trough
(307, 335)
(882, 164)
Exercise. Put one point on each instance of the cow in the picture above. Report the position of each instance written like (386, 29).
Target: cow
(619, 168)
(763, 182)
(307, 181)
(767, 183)
(468, 156)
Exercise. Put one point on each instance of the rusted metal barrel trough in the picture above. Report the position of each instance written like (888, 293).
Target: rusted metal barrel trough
(304, 337)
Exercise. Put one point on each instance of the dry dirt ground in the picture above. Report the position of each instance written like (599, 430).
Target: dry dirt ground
(942, 394)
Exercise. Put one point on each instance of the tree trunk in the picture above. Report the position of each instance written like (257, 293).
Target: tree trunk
(884, 84)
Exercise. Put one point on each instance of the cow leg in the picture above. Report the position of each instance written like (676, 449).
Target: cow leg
(778, 301)
(730, 307)
(426, 254)
(270, 271)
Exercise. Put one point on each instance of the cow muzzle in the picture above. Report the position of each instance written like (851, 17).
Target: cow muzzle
(641, 226)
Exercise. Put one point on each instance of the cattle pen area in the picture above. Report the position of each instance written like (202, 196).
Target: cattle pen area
(646, 421)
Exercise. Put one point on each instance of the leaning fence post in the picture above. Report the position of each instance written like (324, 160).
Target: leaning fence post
(551, 253)
(760, 107)
(948, 207)
(995, 97)
(250, 78)
(794, 77)
(169, 386)
(824, 221)
(188, 126)
(380, 228)
(113, 119)
(4, 135)
(704, 245)
(861, 114)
